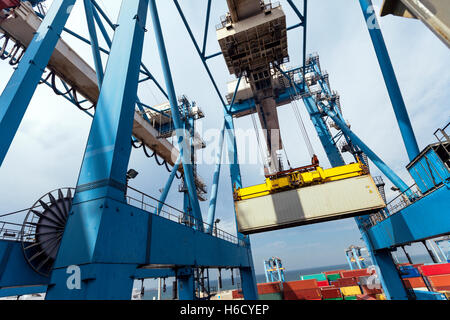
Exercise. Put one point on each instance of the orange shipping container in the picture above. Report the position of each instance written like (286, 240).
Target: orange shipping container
(439, 281)
(236, 294)
(303, 294)
(300, 284)
(416, 282)
(345, 282)
(355, 273)
(270, 287)
(334, 271)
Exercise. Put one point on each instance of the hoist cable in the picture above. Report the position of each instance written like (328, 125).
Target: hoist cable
(301, 123)
(260, 148)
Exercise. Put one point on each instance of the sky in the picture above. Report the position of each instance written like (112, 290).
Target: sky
(48, 148)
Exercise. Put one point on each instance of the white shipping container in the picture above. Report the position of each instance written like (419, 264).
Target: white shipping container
(323, 202)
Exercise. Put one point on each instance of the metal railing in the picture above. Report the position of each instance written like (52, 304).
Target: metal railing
(136, 198)
(10, 231)
(403, 200)
(444, 135)
(150, 204)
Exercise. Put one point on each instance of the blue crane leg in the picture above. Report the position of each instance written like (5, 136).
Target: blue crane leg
(215, 186)
(323, 132)
(166, 189)
(390, 79)
(91, 239)
(350, 264)
(266, 267)
(278, 270)
(356, 258)
(16, 97)
(248, 278)
(94, 41)
(385, 267)
(183, 137)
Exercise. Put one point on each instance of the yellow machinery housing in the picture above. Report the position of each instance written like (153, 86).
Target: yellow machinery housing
(298, 178)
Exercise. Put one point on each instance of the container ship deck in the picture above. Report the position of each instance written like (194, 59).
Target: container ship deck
(430, 280)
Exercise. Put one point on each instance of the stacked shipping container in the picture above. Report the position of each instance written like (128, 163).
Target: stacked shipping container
(355, 284)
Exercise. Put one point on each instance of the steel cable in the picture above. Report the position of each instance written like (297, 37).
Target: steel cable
(260, 148)
(300, 122)
(163, 163)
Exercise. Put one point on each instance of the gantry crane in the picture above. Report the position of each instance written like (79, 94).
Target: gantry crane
(274, 270)
(159, 243)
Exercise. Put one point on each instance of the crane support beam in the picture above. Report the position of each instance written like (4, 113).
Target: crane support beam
(387, 171)
(17, 95)
(398, 104)
(103, 170)
(323, 132)
(215, 186)
(88, 8)
(183, 140)
(169, 182)
(248, 278)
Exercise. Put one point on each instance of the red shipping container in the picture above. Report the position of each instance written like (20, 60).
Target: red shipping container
(334, 271)
(300, 284)
(416, 282)
(329, 293)
(435, 269)
(235, 294)
(323, 283)
(345, 282)
(373, 291)
(4, 4)
(439, 281)
(270, 287)
(355, 273)
(302, 294)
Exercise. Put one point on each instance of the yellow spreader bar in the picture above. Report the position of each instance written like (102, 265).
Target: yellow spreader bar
(298, 179)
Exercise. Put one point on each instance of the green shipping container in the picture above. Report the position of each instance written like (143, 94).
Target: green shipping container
(334, 299)
(270, 296)
(318, 277)
(350, 298)
(333, 276)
